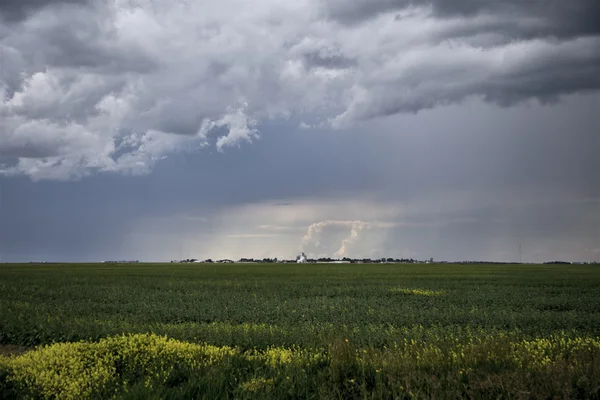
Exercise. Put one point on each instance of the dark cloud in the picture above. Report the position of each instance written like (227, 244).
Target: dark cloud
(327, 59)
(16, 10)
(545, 85)
(563, 18)
(538, 69)
(558, 18)
(77, 37)
(81, 45)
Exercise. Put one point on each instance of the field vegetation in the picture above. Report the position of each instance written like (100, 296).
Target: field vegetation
(300, 331)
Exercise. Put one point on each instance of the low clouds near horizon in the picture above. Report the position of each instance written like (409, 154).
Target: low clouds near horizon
(152, 129)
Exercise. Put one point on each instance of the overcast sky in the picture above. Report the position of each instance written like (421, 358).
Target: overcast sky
(160, 129)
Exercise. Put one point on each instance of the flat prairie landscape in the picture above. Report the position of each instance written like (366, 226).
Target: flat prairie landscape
(290, 331)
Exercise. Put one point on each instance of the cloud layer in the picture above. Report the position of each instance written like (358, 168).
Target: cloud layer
(116, 86)
(466, 181)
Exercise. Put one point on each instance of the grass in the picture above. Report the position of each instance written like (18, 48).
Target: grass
(303, 331)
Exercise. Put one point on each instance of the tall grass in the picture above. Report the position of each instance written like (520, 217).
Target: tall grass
(147, 365)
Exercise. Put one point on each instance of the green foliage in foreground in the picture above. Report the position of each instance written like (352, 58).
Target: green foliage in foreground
(150, 366)
(280, 331)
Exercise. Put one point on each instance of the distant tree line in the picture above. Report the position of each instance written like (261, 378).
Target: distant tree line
(310, 260)
(346, 260)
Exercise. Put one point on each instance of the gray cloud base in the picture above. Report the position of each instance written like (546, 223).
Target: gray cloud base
(555, 18)
(16, 10)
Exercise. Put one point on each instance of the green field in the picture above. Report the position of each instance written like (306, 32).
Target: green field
(301, 331)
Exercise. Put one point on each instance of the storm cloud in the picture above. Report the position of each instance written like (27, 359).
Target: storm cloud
(116, 86)
(535, 17)
(15, 10)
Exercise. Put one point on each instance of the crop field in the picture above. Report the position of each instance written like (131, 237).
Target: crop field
(287, 331)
